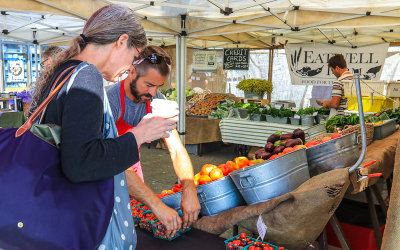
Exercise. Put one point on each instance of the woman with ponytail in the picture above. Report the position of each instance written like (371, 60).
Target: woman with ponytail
(110, 40)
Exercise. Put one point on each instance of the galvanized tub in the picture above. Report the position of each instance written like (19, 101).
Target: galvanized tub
(385, 129)
(340, 152)
(295, 121)
(173, 200)
(218, 196)
(264, 181)
(307, 120)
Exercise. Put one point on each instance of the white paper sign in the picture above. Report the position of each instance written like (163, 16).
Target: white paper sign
(308, 63)
(205, 60)
(16, 71)
(261, 227)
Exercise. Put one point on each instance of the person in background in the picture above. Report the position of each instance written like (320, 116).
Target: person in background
(48, 55)
(130, 102)
(338, 103)
(111, 39)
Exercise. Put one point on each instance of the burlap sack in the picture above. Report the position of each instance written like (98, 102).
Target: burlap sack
(293, 220)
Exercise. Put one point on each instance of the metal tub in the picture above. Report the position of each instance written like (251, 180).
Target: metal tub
(264, 181)
(173, 200)
(384, 130)
(218, 196)
(337, 153)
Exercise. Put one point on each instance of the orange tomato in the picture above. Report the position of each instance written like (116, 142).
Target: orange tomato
(299, 147)
(216, 174)
(206, 169)
(164, 192)
(196, 177)
(251, 163)
(204, 179)
(242, 161)
(325, 139)
(273, 157)
(311, 144)
(287, 150)
(196, 182)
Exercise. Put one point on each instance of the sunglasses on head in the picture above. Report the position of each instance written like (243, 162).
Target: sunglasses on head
(154, 59)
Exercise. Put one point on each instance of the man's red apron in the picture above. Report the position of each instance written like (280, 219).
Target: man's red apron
(123, 127)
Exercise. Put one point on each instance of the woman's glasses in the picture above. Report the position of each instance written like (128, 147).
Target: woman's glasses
(42, 63)
(154, 59)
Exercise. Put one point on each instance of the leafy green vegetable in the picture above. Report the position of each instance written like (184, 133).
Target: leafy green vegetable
(341, 121)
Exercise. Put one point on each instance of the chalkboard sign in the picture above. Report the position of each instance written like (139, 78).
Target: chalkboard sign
(236, 59)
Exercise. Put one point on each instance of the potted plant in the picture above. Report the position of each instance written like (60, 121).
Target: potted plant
(281, 115)
(307, 116)
(255, 88)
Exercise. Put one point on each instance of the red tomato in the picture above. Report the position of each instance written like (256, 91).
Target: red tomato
(242, 161)
(243, 235)
(252, 247)
(206, 169)
(336, 135)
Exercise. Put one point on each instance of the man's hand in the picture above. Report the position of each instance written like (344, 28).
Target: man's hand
(190, 205)
(169, 217)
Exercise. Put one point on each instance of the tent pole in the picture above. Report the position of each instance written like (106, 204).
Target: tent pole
(270, 68)
(36, 63)
(181, 88)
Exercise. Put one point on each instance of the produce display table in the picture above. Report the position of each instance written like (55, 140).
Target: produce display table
(254, 133)
(194, 240)
(297, 218)
(202, 130)
(12, 119)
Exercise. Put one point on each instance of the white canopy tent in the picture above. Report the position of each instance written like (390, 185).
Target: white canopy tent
(214, 23)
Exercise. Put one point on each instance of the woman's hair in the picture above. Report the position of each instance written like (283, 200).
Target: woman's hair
(105, 26)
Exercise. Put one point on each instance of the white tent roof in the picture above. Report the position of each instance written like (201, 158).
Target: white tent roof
(218, 23)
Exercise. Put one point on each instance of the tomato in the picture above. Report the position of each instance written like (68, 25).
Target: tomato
(206, 169)
(178, 185)
(175, 189)
(273, 157)
(311, 144)
(204, 179)
(164, 192)
(288, 150)
(336, 135)
(299, 147)
(226, 168)
(252, 247)
(325, 139)
(196, 177)
(196, 183)
(251, 163)
(243, 236)
(216, 174)
(242, 161)
(233, 165)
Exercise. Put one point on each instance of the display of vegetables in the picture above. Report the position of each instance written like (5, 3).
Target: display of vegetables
(336, 123)
(279, 144)
(222, 110)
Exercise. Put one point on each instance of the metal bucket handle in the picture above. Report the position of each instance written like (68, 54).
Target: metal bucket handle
(201, 194)
(246, 178)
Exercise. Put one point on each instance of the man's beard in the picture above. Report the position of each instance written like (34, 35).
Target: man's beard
(135, 92)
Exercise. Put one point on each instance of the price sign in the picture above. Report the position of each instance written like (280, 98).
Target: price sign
(261, 227)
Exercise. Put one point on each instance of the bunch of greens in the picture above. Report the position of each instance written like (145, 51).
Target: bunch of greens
(341, 122)
(282, 112)
(172, 94)
(251, 107)
(222, 110)
(307, 111)
(258, 86)
(323, 111)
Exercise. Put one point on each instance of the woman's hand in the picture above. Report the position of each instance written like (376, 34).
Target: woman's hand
(153, 127)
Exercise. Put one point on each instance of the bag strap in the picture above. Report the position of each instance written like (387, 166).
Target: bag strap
(42, 107)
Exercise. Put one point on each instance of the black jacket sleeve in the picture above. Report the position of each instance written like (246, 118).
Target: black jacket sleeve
(85, 156)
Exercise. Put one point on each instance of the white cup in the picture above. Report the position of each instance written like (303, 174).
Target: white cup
(164, 108)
